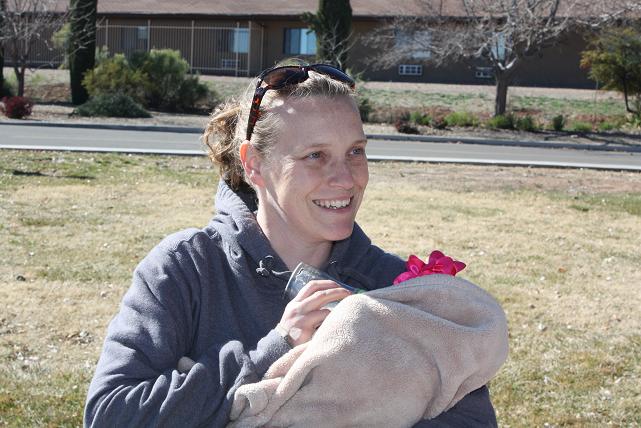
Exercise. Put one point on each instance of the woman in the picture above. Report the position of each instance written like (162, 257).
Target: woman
(294, 170)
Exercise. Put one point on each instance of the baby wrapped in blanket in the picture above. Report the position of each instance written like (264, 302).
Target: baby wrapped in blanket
(384, 358)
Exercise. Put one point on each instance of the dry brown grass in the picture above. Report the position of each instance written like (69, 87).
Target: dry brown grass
(560, 249)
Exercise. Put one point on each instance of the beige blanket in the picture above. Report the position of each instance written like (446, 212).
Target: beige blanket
(385, 358)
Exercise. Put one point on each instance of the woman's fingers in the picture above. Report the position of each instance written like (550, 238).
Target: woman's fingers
(305, 313)
(322, 297)
(304, 330)
(313, 286)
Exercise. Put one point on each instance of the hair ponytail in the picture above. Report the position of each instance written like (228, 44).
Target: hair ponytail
(223, 146)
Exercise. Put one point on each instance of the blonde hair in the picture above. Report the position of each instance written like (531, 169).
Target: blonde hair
(227, 127)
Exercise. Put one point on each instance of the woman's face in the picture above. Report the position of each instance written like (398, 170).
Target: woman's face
(316, 174)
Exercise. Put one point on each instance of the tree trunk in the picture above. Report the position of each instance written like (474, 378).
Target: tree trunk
(2, 72)
(82, 49)
(2, 9)
(500, 101)
(627, 102)
(20, 72)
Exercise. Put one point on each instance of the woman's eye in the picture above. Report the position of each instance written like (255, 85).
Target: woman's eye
(358, 151)
(315, 155)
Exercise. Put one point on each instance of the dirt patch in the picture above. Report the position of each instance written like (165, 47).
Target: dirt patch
(50, 93)
(489, 90)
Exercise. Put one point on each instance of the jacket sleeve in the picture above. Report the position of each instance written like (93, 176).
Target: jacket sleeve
(137, 383)
(475, 410)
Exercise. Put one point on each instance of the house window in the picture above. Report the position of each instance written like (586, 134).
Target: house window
(299, 41)
(240, 40)
(484, 73)
(410, 70)
(142, 33)
(415, 43)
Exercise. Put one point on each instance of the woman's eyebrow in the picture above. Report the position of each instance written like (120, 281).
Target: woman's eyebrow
(324, 145)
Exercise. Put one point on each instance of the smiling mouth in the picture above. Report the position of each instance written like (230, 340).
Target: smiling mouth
(333, 204)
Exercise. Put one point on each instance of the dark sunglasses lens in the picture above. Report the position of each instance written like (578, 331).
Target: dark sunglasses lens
(284, 76)
(334, 73)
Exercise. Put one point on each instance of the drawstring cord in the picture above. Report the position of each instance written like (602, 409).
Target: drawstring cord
(264, 268)
(266, 264)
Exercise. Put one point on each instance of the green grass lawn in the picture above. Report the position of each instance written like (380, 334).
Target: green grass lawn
(558, 248)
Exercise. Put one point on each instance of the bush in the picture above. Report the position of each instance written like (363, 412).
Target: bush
(614, 60)
(403, 126)
(558, 123)
(581, 127)
(607, 126)
(157, 79)
(102, 54)
(526, 123)
(111, 105)
(168, 85)
(501, 122)
(7, 89)
(364, 107)
(16, 107)
(190, 94)
(420, 118)
(461, 119)
(116, 76)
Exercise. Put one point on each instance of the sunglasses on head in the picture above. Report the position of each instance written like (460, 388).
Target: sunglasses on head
(281, 77)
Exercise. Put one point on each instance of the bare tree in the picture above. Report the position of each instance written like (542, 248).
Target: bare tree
(338, 44)
(502, 33)
(24, 23)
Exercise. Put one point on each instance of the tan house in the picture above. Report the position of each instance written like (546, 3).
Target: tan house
(242, 37)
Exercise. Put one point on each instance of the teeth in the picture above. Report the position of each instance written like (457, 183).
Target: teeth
(333, 204)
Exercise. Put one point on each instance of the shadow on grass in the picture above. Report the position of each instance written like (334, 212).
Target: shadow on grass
(21, 173)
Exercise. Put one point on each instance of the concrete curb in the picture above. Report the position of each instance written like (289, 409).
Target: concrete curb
(496, 142)
(116, 127)
(387, 137)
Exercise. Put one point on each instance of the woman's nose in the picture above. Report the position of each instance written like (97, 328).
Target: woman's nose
(341, 175)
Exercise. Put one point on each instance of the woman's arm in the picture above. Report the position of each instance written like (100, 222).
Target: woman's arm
(475, 410)
(136, 382)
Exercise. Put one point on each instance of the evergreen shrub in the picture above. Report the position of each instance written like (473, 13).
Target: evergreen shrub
(364, 107)
(116, 76)
(168, 85)
(157, 79)
(558, 123)
(581, 127)
(111, 105)
(501, 121)
(526, 123)
(420, 118)
(463, 119)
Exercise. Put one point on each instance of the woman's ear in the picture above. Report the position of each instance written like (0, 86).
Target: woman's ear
(252, 163)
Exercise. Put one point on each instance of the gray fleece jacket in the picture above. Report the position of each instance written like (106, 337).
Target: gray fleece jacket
(215, 296)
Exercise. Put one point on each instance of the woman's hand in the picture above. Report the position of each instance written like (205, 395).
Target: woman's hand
(304, 314)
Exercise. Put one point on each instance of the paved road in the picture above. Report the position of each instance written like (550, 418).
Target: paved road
(68, 138)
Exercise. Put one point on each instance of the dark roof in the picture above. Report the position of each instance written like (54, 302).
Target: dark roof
(253, 8)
